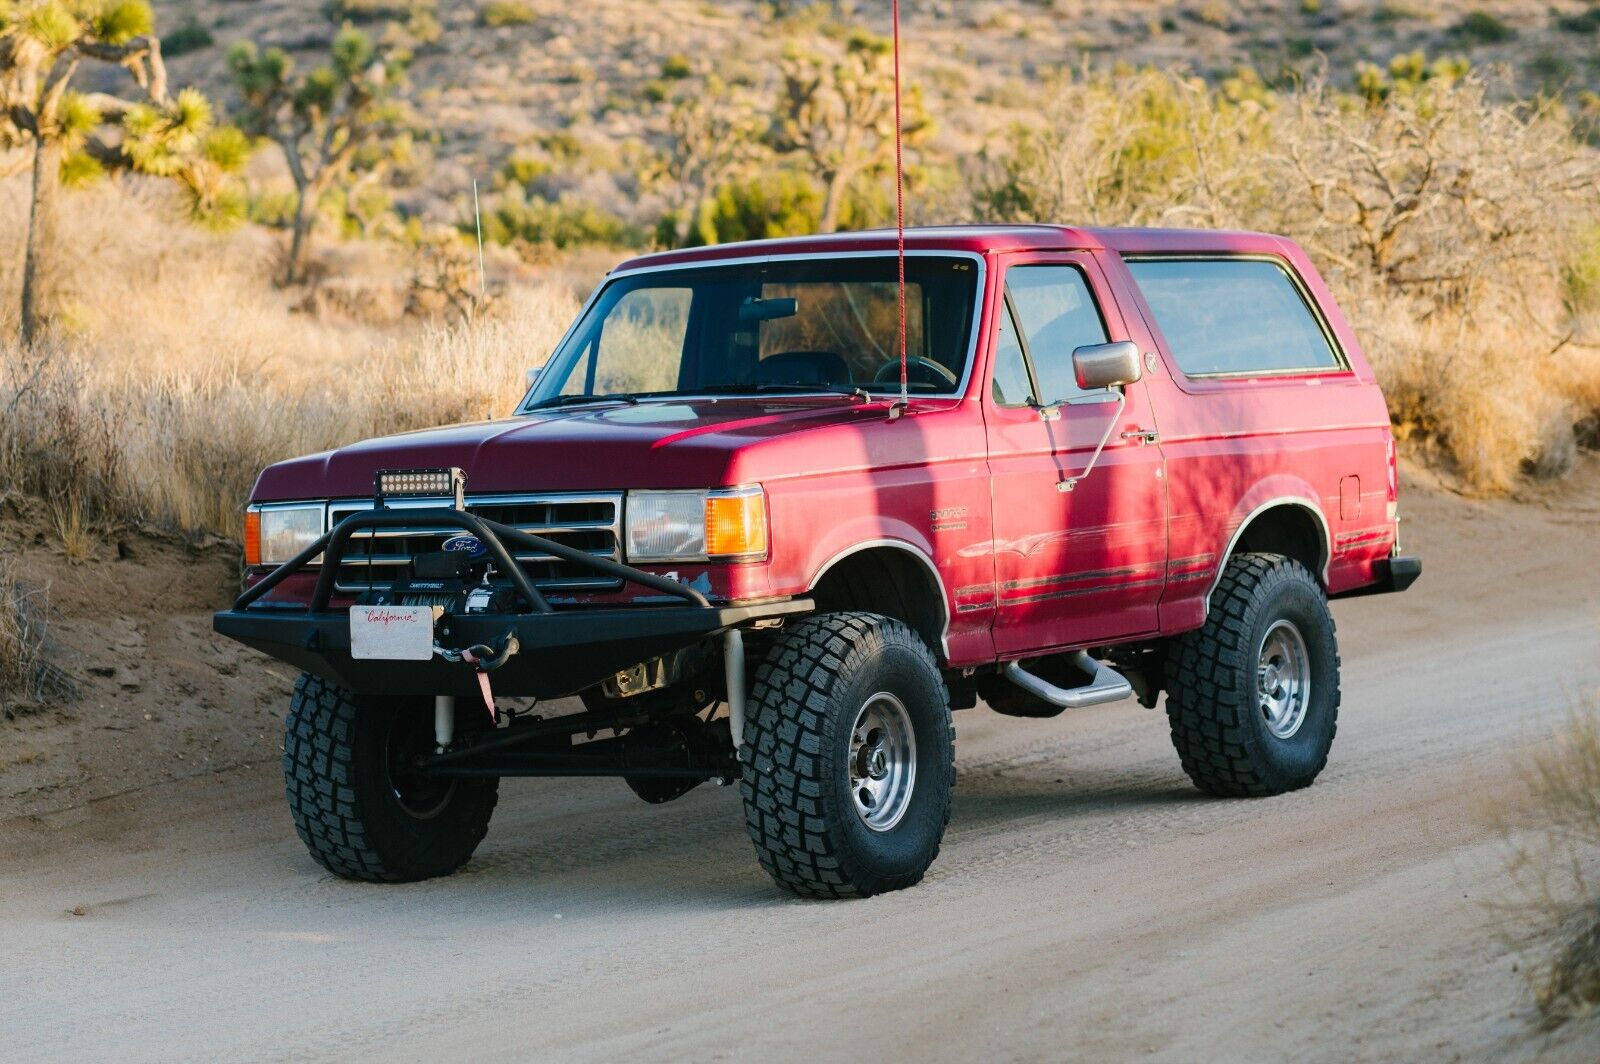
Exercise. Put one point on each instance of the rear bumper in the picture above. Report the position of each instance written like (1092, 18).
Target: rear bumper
(1399, 573)
(560, 653)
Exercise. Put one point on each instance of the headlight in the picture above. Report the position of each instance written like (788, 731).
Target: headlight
(695, 526)
(274, 534)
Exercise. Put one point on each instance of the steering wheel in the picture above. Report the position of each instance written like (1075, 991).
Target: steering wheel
(890, 371)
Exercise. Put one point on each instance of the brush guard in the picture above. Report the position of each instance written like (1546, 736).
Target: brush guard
(559, 652)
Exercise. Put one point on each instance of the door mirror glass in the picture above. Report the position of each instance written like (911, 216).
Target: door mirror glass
(1107, 365)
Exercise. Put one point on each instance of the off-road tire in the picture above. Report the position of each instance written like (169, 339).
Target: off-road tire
(345, 806)
(1219, 732)
(799, 809)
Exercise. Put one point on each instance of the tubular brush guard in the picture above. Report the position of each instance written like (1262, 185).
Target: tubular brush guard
(561, 652)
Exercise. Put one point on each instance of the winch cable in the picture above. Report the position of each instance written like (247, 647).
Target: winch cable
(900, 210)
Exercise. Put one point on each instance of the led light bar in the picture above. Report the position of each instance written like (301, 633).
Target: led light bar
(412, 483)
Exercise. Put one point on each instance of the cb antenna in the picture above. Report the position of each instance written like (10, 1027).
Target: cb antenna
(904, 402)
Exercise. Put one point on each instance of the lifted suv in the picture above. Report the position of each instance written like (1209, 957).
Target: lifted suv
(1132, 461)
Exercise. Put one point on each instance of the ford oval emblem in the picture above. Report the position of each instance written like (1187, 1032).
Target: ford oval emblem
(462, 544)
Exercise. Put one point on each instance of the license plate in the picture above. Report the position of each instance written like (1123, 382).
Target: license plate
(391, 633)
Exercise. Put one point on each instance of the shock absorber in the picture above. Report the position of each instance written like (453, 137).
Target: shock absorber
(444, 721)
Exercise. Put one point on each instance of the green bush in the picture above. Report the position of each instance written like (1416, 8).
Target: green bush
(524, 170)
(1587, 22)
(676, 67)
(189, 37)
(363, 11)
(538, 223)
(498, 13)
(1480, 27)
(784, 203)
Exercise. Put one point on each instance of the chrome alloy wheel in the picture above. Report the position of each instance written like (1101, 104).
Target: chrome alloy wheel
(1283, 679)
(883, 761)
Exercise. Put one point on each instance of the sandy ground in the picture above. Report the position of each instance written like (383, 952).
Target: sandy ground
(1088, 903)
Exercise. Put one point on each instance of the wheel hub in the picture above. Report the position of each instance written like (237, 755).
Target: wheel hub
(883, 761)
(1283, 679)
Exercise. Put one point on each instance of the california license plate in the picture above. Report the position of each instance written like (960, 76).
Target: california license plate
(391, 633)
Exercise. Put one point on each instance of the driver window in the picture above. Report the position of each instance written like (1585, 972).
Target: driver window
(1057, 315)
(639, 346)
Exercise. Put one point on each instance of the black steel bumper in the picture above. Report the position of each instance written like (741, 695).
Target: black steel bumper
(560, 652)
(1400, 573)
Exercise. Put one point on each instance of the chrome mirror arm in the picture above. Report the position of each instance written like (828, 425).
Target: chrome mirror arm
(1116, 419)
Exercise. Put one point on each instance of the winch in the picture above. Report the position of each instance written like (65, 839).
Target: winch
(456, 581)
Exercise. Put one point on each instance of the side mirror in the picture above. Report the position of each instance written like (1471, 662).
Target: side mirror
(533, 375)
(1107, 365)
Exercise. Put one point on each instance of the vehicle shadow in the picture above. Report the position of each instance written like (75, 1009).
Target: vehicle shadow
(695, 855)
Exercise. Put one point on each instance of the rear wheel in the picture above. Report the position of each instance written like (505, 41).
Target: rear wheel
(1253, 696)
(849, 757)
(358, 807)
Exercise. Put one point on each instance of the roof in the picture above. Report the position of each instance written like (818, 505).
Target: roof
(978, 239)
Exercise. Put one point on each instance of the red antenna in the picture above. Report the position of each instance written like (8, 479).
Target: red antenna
(900, 213)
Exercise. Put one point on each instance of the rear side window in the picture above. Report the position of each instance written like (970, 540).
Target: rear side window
(1223, 316)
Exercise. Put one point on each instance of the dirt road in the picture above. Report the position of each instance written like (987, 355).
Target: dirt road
(1088, 903)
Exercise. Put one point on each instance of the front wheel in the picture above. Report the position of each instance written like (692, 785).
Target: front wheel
(357, 806)
(849, 757)
(1253, 696)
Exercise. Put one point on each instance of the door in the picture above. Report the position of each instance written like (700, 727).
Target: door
(1084, 566)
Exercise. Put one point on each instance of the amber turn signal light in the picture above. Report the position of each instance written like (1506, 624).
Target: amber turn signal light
(736, 525)
(252, 537)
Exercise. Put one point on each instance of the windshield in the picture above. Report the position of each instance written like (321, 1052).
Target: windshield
(787, 325)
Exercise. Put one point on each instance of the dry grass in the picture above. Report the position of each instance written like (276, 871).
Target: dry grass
(181, 371)
(27, 678)
(1554, 868)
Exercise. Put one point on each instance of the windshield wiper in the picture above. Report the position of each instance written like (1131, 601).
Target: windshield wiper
(580, 400)
(851, 390)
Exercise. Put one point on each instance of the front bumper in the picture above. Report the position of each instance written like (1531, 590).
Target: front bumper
(561, 652)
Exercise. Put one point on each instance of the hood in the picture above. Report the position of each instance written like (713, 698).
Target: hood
(695, 443)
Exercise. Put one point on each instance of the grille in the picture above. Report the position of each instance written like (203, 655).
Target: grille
(590, 523)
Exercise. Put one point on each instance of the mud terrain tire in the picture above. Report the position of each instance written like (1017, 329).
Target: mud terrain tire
(841, 697)
(1230, 683)
(359, 817)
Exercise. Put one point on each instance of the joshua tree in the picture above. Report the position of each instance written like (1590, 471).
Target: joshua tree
(76, 137)
(838, 115)
(329, 121)
(715, 135)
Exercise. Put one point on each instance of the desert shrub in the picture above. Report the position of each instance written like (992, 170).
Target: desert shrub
(1583, 22)
(534, 225)
(676, 67)
(362, 11)
(28, 678)
(1554, 846)
(497, 13)
(1480, 27)
(190, 36)
(1438, 214)
(785, 203)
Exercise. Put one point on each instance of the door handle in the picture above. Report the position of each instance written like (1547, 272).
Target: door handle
(1142, 435)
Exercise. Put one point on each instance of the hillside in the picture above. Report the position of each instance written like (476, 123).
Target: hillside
(597, 72)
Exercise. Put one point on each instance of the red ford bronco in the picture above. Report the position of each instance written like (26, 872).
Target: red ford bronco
(1127, 462)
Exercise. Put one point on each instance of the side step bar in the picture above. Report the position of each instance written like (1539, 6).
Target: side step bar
(1106, 684)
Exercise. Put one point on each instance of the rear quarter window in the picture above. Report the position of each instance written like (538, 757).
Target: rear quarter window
(1229, 316)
